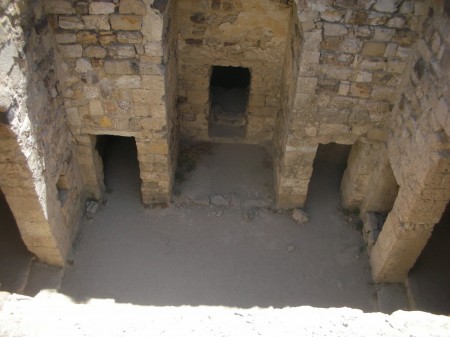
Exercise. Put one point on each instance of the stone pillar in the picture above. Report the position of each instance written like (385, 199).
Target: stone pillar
(382, 186)
(91, 165)
(356, 177)
(294, 176)
(28, 202)
(154, 170)
(410, 223)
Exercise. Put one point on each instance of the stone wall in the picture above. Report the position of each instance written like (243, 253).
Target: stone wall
(419, 150)
(239, 33)
(118, 74)
(38, 170)
(352, 58)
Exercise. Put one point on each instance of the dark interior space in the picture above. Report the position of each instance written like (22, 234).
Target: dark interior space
(14, 256)
(229, 97)
(331, 160)
(120, 164)
(429, 279)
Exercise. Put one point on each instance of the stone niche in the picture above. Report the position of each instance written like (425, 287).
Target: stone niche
(248, 36)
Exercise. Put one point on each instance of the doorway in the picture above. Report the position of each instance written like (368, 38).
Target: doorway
(14, 256)
(120, 165)
(429, 279)
(229, 92)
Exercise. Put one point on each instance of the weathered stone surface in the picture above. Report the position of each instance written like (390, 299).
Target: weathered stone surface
(97, 8)
(121, 51)
(63, 38)
(86, 37)
(96, 22)
(126, 22)
(83, 65)
(95, 51)
(374, 49)
(70, 22)
(129, 37)
(389, 6)
(132, 7)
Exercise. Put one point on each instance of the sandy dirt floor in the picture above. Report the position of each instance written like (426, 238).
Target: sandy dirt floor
(209, 255)
(195, 269)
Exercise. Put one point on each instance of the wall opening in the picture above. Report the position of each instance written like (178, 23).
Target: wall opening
(428, 280)
(329, 165)
(229, 91)
(14, 256)
(120, 165)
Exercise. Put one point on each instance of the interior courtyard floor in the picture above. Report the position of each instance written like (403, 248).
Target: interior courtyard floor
(197, 255)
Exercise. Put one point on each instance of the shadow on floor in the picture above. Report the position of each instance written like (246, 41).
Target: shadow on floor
(14, 256)
(200, 255)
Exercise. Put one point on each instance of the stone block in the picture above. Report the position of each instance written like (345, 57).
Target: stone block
(383, 34)
(121, 51)
(129, 37)
(388, 6)
(96, 108)
(132, 7)
(126, 22)
(152, 82)
(154, 48)
(442, 112)
(300, 216)
(96, 22)
(119, 67)
(106, 38)
(333, 29)
(95, 52)
(97, 8)
(83, 65)
(374, 49)
(86, 37)
(70, 22)
(71, 50)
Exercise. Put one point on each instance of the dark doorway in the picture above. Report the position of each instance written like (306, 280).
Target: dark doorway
(429, 279)
(328, 168)
(14, 256)
(229, 90)
(120, 165)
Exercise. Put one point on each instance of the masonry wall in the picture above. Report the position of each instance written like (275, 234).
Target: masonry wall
(250, 34)
(117, 77)
(38, 169)
(419, 150)
(352, 58)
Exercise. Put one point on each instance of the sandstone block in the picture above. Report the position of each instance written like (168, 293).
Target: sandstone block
(58, 7)
(333, 29)
(119, 67)
(364, 76)
(64, 38)
(442, 112)
(129, 37)
(71, 50)
(121, 51)
(132, 7)
(374, 49)
(95, 106)
(96, 22)
(126, 22)
(152, 82)
(95, 52)
(383, 34)
(389, 6)
(83, 65)
(86, 37)
(106, 38)
(70, 22)
(360, 90)
(97, 8)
